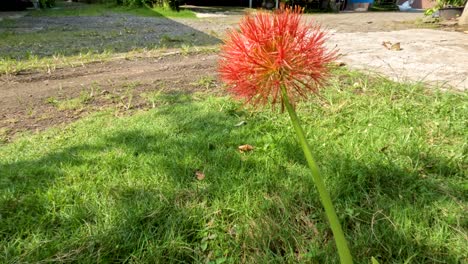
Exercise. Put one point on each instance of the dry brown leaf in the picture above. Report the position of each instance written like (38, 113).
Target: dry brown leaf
(245, 148)
(392, 46)
(387, 44)
(396, 46)
(200, 175)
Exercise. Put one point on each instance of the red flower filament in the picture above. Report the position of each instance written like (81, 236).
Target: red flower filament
(271, 50)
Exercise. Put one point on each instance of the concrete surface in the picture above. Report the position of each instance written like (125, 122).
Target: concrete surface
(435, 57)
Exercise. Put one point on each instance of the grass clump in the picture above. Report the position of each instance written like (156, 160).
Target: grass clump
(72, 104)
(109, 189)
(206, 82)
(3, 135)
(49, 64)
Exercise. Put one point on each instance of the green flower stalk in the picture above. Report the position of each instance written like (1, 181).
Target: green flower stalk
(276, 59)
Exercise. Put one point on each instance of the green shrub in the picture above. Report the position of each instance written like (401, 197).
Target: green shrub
(46, 3)
(172, 4)
(445, 3)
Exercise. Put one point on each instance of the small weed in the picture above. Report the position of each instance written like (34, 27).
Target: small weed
(131, 85)
(127, 98)
(80, 102)
(185, 49)
(153, 97)
(70, 104)
(52, 101)
(30, 110)
(3, 135)
(205, 82)
(86, 97)
(128, 105)
(95, 88)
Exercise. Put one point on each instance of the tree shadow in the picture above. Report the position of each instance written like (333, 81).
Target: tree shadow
(24, 184)
(393, 208)
(75, 34)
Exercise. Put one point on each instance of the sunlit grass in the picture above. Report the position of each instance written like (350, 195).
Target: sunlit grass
(50, 64)
(10, 66)
(123, 189)
(67, 9)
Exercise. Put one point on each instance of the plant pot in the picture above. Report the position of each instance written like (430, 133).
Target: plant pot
(448, 13)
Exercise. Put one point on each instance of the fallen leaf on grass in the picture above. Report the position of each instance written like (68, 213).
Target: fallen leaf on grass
(245, 148)
(200, 175)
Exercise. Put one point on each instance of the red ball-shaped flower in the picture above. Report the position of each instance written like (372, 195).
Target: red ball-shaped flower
(274, 50)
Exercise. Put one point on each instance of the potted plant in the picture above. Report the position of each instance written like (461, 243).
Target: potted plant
(448, 9)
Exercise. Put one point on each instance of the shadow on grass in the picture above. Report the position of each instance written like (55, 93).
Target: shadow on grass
(132, 195)
(119, 30)
(381, 204)
(164, 219)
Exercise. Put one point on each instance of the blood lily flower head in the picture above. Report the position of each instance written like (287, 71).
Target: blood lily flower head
(271, 51)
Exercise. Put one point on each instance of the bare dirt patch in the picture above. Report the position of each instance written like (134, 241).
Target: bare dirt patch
(34, 101)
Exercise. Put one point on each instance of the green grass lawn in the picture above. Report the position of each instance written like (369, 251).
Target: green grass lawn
(76, 33)
(112, 189)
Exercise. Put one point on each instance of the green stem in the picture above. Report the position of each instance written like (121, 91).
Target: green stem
(340, 240)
